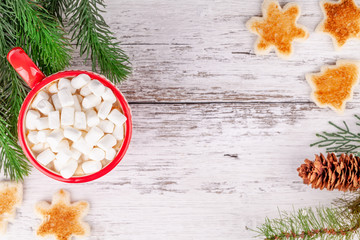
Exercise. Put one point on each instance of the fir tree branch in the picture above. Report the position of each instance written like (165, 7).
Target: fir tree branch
(350, 202)
(13, 90)
(41, 36)
(324, 223)
(342, 140)
(13, 161)
(7, 29)
(13, 93)
(90, 32)
(56, 8)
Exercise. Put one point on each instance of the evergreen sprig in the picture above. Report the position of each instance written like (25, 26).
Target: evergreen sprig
(322, 223)
(7, 29)
(349, 201)
(41, 36)
(13, 160)
(342, 140)
(56, 8)
(91, 33)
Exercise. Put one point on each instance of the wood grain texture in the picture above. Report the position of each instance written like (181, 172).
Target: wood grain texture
(218, 131)
(201, 51)
(197, 171)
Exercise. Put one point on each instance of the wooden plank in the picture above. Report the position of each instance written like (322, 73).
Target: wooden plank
(197, 171)
(200, 51)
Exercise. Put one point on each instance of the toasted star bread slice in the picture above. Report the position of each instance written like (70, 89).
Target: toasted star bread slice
(11, 194)
(277, 29)
(62, 219)
(341, 21)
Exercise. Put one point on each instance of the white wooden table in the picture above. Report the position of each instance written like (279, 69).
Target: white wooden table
(218, 131)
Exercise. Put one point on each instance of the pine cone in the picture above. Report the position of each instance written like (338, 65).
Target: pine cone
(332, 172)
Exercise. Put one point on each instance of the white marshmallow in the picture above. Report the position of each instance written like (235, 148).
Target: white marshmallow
(33, 137)
(92, 118)
(117, 117)
(55, 137)
(40, 96)
(107, 126)
(54, 120)
(52, 88)
(62, 146)
(104, 110)
(97, 154)
(106, 142)
(67, 116)
(65, 97)
(75, 154)
(82, 146)
(80, 120)
(56, 101)
(72, 133)
(31, 118)
(97, 88)
(45, 157)
(80, 81)
(110, 154)
(44, 106)
(85, 91)
(42, 135)
(38, 147)
(42, 123)
(94, 135)
(91, 101)
(77, 105)
(108, 95)
(69, 169)
(119, 132)
(59, 165)
(65, 83)
(91, 167)
(64, 155)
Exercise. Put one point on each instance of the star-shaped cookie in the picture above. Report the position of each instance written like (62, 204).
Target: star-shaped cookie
(341, 21)
(277, 28)
(61, 218)
(11, 194)
(333, 86)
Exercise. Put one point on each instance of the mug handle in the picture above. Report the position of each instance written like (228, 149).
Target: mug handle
(25, 67)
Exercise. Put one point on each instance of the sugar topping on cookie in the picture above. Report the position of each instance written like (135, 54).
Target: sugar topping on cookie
(277, 29)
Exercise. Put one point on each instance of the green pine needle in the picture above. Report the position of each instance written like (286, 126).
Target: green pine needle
(41, 36)
(93, 35)
(13, 161)
(342, 140)
(7, 29)
(323, 223)
(56, 8)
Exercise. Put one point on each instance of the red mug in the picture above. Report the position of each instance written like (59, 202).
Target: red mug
(32, 75)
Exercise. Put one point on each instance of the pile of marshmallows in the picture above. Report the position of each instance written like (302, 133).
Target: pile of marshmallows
(75, 126)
